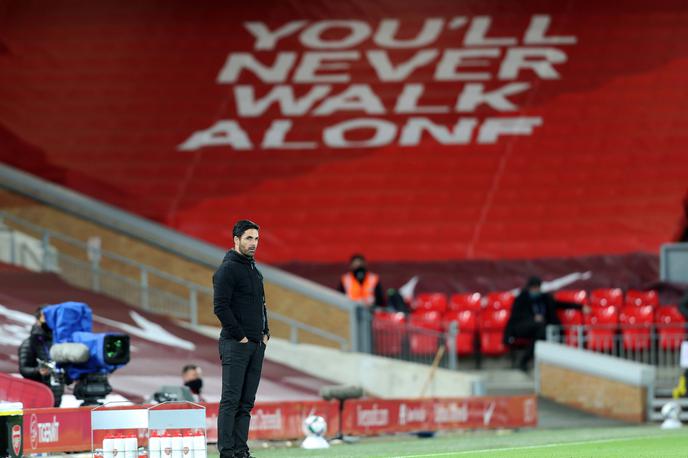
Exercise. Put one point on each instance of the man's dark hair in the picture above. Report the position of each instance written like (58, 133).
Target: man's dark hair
(356, 256)
(189, 367)
(38, 311)
(242, 226)
(533, 282)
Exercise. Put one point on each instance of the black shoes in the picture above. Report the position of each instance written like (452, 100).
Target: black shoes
(243, 454)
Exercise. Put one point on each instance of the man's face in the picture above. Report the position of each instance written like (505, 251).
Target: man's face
(357, 263)
(191, 374)
(247, 243)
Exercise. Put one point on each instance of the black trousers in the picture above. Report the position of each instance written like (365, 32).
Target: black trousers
(529, 330)
(241, 367)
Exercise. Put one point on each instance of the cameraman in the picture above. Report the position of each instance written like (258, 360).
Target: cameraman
(35, 347)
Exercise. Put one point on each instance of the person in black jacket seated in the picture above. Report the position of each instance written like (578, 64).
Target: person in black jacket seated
(35, 347)
(532, 311)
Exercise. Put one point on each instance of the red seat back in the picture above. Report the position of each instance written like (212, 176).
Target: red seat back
(492, 323)
(465, 301)
(603, 322)
(430, 302)
(638, 298)
(636, 323)
(423, 334)
(389, 332)
(467, 322)
(670, 327)
(500, 300)
(577, 296)
(604, 297)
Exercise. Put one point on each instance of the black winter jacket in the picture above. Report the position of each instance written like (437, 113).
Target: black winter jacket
(522, 310)
(37, 345)
(239, 298)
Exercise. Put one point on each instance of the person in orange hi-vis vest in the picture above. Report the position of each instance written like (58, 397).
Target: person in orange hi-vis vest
(361, 285)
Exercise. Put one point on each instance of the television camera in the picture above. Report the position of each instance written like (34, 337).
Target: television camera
(81, 355)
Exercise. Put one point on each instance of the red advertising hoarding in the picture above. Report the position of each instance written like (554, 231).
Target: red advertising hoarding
(367, 417)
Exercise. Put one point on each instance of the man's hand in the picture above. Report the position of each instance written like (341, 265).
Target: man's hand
(244, 340)
(44, 371)
(265, 339)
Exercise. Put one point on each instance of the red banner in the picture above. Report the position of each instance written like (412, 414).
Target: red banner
(57, 430)
(387, 416)
(69, 430)
(279, 420)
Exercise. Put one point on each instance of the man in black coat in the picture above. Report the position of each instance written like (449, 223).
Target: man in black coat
(239, 303)
(532, 311)
(35, 347)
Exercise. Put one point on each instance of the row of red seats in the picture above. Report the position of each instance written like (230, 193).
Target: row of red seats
(601, 297)
(484, 321)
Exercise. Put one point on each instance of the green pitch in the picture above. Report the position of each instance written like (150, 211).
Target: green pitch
(623, 442)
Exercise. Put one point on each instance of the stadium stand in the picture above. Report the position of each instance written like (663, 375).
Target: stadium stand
(563, 190)
(162, 345)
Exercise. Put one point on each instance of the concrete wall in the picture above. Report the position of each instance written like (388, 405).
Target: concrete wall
(593, 382)
(380, 377)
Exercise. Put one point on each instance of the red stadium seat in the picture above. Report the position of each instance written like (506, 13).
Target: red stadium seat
(465, 301)
(492, 323)
(422, 342)
(636, 323)
(670, 327)
(467, 321)
(389, 332)
(430, 302)
(571, 318)
(500, 300)
(577, 296)
(638, 298)
(604, 297)
(602, 324)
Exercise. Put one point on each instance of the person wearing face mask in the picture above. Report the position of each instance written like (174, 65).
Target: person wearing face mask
(35, 347)
(361, 285)
(531, 312)
(192, 378)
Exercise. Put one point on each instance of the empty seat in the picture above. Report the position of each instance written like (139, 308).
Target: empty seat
(430, 302)
(571, 318)
(423, 333)
(670, 327)
(467, 322)
(577, 296)
(604, 297)
(500, 300)
(636, 323)
(639, 298)
(492, 323)
(465, 301)
(602, 325)
(389, 332)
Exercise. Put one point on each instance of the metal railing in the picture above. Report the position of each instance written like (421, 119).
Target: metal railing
(411, 343)
(89, 267)
(657, 345)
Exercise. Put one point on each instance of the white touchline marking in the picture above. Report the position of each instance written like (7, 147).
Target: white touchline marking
(527, 447)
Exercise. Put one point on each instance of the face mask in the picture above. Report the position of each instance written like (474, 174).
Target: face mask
(360, 273)
(195, 385)
(45, 327)
(535, 294)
